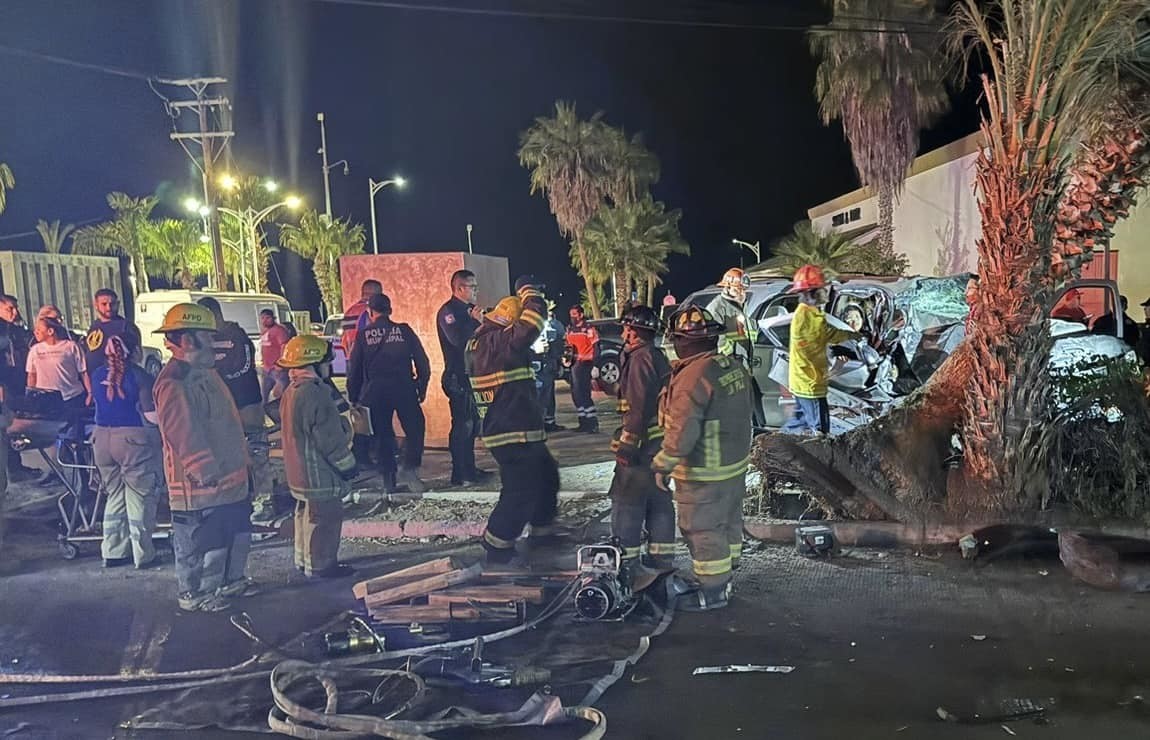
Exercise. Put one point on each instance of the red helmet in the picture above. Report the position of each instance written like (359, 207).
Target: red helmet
(808, 277)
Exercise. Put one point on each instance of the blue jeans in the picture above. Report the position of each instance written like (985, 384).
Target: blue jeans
(812, 416)
(211, 546)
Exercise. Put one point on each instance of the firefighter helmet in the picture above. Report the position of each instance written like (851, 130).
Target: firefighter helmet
(640, 317)
(187, 317)
(808, 277)
(506, 312)
(735, 284)
(694, 322)
(304, 350)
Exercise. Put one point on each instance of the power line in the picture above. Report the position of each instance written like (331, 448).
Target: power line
(118, 71)
(22, 234)
(634, 20)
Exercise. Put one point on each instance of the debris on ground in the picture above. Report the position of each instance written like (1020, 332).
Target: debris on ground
(745, 668)
(1100, 566)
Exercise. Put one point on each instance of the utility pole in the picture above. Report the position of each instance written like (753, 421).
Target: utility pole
(212, 144)
(327, 167)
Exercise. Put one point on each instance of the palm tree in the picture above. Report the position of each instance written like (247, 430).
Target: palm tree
(181, 251)
(324, 241)
(248, 193)
(54, 235)
(884, 81)
(1055, 67)
(568, 159)
(632, 242)
(832, 251)
(7, 182)
(127, 235)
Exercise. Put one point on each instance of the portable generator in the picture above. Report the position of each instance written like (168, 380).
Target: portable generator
(603, 594)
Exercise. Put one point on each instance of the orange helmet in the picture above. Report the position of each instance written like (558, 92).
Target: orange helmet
(808, 277)
(735, 283)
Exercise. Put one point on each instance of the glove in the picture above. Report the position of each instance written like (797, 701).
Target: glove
(625, 454)
(350, 474)
(663, 481)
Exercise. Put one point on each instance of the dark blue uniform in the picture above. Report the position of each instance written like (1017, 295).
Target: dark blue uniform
(455, 326)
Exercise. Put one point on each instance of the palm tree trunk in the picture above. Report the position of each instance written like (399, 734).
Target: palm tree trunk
(651, 291)
(886, 222)
(622, 290)
(585, 269)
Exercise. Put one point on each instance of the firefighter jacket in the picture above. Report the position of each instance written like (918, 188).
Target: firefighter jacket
(499, 364)
(811, 336)
(316, 439)
(455, 326)
(739, 337)
(642, 377)
(205, 455)
(388, 358)
(705, 413)
(582, 340)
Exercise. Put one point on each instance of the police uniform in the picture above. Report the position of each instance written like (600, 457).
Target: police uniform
(635, 499)
(389, 373)
(582, 340)
(499, 365)
(455, 326)
(549, 361)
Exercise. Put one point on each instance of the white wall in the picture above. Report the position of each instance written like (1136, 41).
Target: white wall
(1132, 240)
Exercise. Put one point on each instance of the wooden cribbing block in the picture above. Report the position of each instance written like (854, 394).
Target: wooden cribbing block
(422, 587)
(399, 577)
(487, 594)
(440, 613)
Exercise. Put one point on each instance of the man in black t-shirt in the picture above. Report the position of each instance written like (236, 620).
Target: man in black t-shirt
(108, 323)
(15, 339)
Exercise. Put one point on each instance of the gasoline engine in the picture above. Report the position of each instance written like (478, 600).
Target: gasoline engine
(604, 594)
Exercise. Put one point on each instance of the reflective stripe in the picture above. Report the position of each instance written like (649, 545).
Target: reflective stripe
(494, 380)
(663, 461)
(712, 451)
(497, 542)
(510, 438)
(654, 432)
(712, 567)
(737, 550)
(631, 552)
(709, 474)
(661, 548)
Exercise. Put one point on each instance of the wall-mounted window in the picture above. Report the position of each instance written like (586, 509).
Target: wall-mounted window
(846, 217)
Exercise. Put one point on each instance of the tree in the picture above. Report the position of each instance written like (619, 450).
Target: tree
(128, 234)
(7, 182)
(324, 241)
(54, 235)
(568, 159)
(246, 196)
(632, 242)
(880, 73)
(180, 251)
(832, 251)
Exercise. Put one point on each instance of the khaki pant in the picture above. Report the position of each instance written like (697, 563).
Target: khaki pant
(318, 523)
(711, 519)
(128, 459)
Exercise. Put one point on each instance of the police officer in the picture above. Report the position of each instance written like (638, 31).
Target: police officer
(389, 373)
(456, 321)
(706, 448)
(548, 349)
(235, 362)
(635, 499)
(499, 365)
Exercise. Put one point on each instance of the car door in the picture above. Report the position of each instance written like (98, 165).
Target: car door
(770, 350)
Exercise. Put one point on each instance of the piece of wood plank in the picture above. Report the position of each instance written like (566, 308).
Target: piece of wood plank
(435, 613)
(422, 587)
(404, 575)
(487, 594)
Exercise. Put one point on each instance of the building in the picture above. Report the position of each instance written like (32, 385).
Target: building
(936, 221)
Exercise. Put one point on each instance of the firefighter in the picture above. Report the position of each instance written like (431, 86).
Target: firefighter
(235, 361)
(705, 417)
(317, 456)
(635, 499)
(582, 338)
(389, 373)
(205, 463)
(727, 308)
(511, 421)
(811, 337)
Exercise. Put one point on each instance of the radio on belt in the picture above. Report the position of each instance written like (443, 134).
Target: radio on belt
(814, 541)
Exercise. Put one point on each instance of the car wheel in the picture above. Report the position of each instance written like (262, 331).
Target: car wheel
(152, 366)
(609, 370)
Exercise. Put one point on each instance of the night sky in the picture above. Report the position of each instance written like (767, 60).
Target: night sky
(439, 98)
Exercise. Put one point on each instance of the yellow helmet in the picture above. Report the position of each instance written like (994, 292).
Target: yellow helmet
(304, 350)
(187, 317)
(506, 312)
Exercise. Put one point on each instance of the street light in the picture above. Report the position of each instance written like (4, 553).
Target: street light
(753, 247)
(228, 182)
(373, 188)
(327, 168)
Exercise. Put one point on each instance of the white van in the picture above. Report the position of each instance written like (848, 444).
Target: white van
(242, 308)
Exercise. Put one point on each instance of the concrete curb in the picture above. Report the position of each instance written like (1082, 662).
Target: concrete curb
(863, 534)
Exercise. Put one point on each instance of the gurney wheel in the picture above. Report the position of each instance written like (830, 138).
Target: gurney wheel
(68, 551)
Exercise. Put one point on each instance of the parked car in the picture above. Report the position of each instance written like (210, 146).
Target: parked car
(608, 355)
(332, 331)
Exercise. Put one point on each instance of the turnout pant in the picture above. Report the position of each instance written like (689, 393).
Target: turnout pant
(636, 501)
(529, 495)
(711, 519)
(581, 392)
(812, 416)
(318, 522)
(464, 426)
(385, 406)
(212, 546)
(128, 459)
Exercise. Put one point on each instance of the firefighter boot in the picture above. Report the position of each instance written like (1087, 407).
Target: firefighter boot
(636, 575)
(703, 598)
